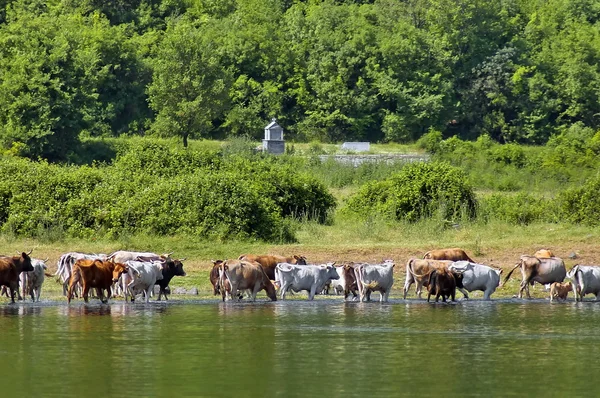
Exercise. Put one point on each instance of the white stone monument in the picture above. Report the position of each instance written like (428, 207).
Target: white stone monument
(273, 142)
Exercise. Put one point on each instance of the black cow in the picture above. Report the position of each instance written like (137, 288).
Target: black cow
(170, 269)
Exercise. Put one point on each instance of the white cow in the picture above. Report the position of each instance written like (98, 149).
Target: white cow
(144, 275)
(65, 266)
(374, 277)
(474, 276)
(586, 279)
(311, 278)
(31, 282)
(122, 256)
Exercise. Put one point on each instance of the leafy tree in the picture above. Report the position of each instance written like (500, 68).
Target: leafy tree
(189, 88)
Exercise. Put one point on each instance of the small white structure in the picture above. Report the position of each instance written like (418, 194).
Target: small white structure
(357, 146)
(273, 142)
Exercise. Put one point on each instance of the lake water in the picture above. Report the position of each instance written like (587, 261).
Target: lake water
(296, 348)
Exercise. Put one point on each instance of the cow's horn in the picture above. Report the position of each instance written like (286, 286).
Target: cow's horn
(30, 252)
(182, 259)
(47, 258)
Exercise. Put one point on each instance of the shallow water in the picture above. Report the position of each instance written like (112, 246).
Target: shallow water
(298, 348)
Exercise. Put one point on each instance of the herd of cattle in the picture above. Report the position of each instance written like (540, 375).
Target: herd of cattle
(441, 272)
(122, 272)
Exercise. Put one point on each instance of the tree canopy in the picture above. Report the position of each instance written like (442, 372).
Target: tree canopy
(331, 70)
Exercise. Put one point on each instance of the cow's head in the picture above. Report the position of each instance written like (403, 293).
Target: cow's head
(458, 277)
(25, 262)
(270, 289)
(331, 271)
(175, 267)
(118, 270)
(300, 260)
(214, 276)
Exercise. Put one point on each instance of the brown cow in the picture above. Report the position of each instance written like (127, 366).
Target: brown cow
(540, 270)
(10, 268)
(95, 273)
(417, 271)
(543, 253)
(441, 283)
(454, 254)
(350, 285)
(214, 276)
(242, 275)
(560, 290)
(269, 262)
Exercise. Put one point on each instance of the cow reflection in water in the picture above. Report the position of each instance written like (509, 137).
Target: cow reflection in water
(20, 310)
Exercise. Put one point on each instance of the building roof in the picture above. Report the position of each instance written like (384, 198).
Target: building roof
(273, 125)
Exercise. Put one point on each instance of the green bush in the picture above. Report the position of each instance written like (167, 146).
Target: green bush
(520, 209)
(418, 191)
(430, 141)
(582, 204)
(157, 190)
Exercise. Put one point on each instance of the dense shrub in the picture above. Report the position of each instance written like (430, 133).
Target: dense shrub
(154, 189)
(582, 204)
(416, 192)
(520, 209)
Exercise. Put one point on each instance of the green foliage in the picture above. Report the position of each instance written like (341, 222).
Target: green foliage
(153, 188)
(430, 141)
(417, 192)
(189, 85)
(521, 209)
(582, 204)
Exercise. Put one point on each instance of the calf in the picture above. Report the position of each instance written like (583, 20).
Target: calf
(374, 277)
(269, 262)
(311, 278)
(560, 290)
(350, 285)
(454, 254)
(441, 283)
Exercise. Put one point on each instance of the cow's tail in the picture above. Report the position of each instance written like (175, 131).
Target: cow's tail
(426, 255)
(469, 259)
(509, 274)
(415, 275)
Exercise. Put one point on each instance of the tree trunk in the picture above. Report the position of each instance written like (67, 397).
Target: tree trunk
(185, 138)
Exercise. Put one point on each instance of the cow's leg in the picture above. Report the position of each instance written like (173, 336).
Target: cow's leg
(453, 295)
(487, 293)
(464, 292)
(407, 284)
(312, 292)
(419, 290)
(38, 293)
(150, 288)
(85, 292)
